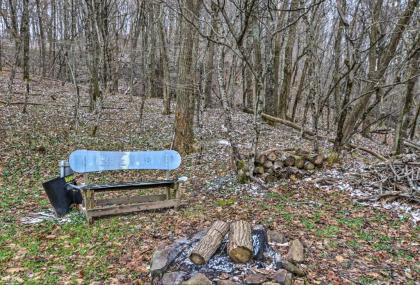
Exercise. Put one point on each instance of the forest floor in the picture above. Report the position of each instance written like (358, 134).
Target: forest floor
(346, 242)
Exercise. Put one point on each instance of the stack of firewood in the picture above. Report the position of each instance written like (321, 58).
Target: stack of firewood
(274, 164)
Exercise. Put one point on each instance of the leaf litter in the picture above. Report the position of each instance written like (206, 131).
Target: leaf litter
(346, 242)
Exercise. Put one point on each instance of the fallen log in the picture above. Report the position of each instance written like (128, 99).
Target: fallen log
(309, 165)
(311, 136)
(317, 159)
(208, 245)
(240, 242)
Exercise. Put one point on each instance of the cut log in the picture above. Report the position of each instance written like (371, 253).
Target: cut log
(309, 165)
(208, 245)
(270, 178)
(240, 242)
(261, 159)
(277, 165)
(259, 170)
(268, 164)
(289, 161)
(272, 156)
(299, 161)
(317, 159)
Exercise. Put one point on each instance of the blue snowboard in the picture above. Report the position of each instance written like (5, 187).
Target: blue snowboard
(83, 161)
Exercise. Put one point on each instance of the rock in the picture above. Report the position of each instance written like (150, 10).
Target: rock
(198, 279)
(270, 283)
(295, 269)
(283, 277)
(295, 253)
(275, 236)
(173, 278)
(226, 282)
(255, 279)
(162, 258)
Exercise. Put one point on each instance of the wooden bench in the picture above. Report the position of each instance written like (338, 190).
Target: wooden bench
(85, 162)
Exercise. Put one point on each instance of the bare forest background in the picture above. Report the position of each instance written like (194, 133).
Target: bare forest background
(299, 115)
(346, 67)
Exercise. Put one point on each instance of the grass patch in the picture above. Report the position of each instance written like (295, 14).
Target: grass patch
(328, 232)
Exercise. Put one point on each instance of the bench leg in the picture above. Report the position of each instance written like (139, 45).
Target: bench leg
(176, 194)
(168, 193)
(89, 203)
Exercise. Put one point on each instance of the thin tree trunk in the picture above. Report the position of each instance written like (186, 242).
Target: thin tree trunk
(25, 34)
(401, 131)
(353, 120)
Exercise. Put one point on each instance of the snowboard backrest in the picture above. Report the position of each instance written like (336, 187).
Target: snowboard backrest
(85, 161)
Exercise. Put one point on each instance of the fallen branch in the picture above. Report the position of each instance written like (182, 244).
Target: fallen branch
(57, 105)
(395, 194)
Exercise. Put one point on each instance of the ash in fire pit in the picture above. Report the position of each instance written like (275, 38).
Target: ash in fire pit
(216, 255)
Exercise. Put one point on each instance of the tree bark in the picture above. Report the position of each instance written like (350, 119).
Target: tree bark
(25, 34)
(352, 122)
(184, 113)
(208, 245)
(401, 131)
(286, 85)
(240, 242)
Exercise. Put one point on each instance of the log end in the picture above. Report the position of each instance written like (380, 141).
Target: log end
(240, 254)
(197, 259)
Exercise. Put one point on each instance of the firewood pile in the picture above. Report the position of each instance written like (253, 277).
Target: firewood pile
(230, 253)
(274, 164)
(392, 180)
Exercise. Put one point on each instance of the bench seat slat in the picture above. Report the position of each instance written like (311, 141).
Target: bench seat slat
(129, 185)
(122, 209)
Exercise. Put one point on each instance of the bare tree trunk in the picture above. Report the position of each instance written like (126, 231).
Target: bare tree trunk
(184, 112)
(414, 123)
(135, 29)
(25, 34)
(210, 57)
(286, 85)
(401, 131)
(42, 38)
(165, 69)
(353, 120)
(300, 89)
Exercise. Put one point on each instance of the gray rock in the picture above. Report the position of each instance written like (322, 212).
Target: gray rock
(198, 279)
(270, 283)
(283, 277)
(163, 258)
(275, 236)
(173, 278)
(255, 279)
(296, 251)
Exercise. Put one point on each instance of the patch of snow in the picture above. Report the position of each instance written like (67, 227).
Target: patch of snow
(47, 215)
(223, 142)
